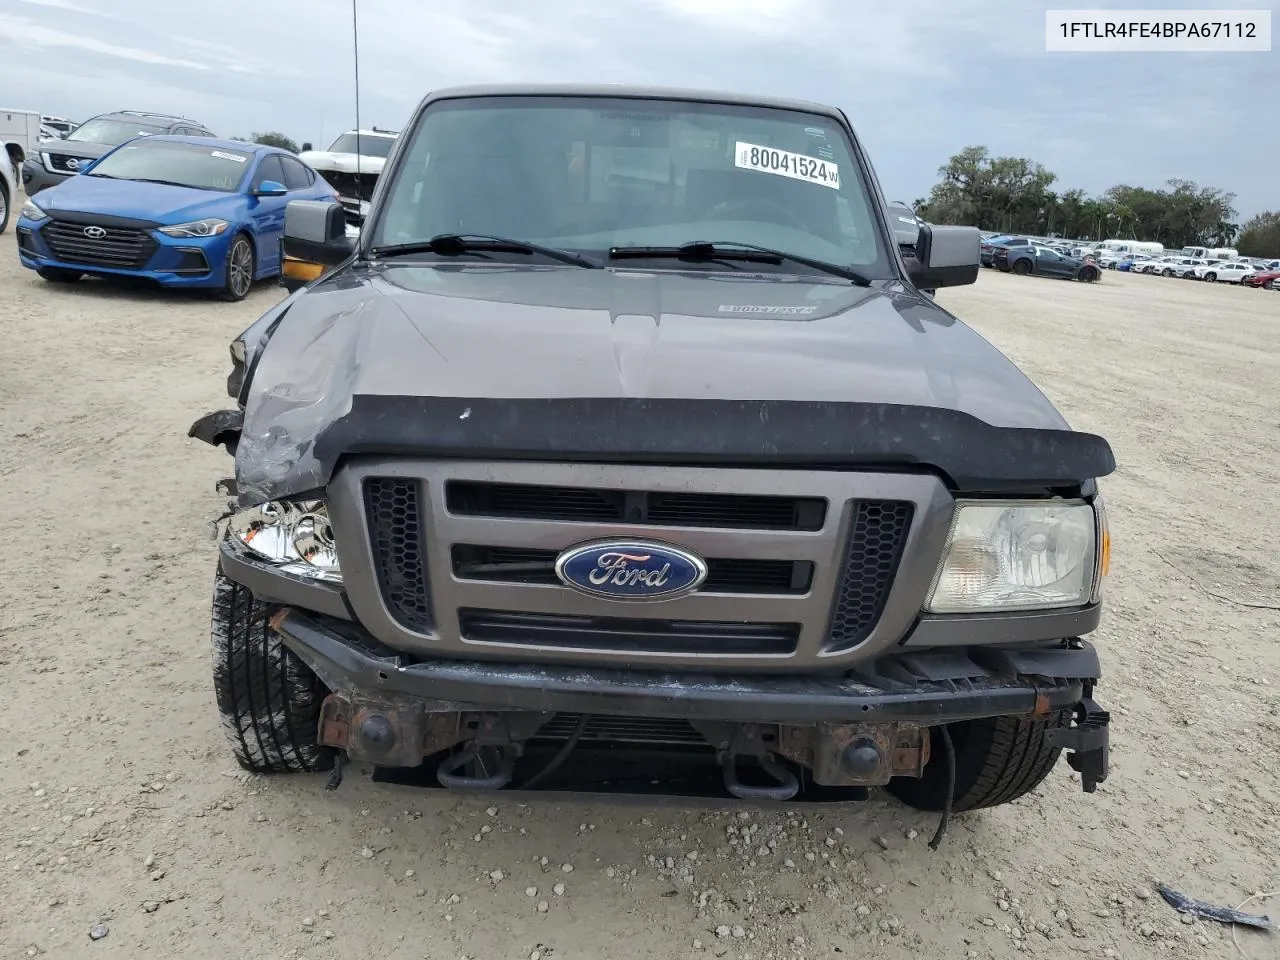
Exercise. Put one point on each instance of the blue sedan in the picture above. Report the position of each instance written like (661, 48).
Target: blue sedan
(178, 210)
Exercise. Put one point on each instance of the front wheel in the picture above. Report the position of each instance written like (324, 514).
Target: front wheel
(998, 760)
(268, 698)
(1166, 272)
(241, 266)
(1089, 274)
(4, 207)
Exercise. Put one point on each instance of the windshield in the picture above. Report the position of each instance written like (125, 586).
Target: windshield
(113, 132)
(181, 164)
(586, 174)
(368, 146)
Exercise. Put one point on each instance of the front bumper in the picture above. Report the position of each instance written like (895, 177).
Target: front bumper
(198, 262)
(392, 710)
(930, 687)
(36, 177)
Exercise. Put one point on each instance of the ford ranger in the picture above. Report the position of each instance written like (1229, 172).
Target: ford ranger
(621, 452)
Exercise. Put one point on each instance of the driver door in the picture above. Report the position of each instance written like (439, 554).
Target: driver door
(267, 214)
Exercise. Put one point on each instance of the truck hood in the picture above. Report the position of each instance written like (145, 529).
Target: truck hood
(395, 349)
(322, 160)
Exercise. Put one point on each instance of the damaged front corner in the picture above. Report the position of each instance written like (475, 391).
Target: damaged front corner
(304, 381)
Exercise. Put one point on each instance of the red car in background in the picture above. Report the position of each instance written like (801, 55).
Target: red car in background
(1270, 280)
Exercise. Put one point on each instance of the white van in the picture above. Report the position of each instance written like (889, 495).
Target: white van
(19, 134)
(1211, 253)
(1133, 246)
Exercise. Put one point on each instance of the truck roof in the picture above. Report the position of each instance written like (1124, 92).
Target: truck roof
(628, 91)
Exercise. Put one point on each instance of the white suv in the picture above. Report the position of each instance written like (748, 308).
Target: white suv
(1229, 271)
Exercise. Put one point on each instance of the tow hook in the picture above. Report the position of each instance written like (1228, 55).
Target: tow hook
(744, 744)
(785, 787)
(476, 760)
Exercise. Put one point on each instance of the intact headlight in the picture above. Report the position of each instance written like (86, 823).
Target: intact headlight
(32, 211)
(210, 227)
(296, 536)
(1018, 555)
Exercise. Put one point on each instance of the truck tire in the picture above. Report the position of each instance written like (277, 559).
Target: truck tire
(998, 760)
(269, 699)
(4, 207)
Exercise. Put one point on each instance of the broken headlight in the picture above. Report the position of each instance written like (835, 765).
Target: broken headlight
(294, 535)
(1017, 555)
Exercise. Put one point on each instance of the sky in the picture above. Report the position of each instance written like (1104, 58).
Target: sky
(919, 79)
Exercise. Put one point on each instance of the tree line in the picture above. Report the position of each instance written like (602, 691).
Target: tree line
(271, 139)
(1016, 195)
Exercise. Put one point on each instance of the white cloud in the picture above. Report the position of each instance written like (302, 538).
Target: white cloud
(26, 32)
(918, 78)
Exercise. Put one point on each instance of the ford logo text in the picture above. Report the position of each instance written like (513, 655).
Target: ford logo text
(631, 570)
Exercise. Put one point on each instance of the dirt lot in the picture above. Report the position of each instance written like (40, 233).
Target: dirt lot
(121, 804)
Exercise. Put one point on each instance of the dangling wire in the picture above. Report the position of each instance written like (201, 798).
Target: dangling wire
(951, 788)
(561, 756)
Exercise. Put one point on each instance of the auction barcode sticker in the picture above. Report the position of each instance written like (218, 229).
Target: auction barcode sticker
(784, 163)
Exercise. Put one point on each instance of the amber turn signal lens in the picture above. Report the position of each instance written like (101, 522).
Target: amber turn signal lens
(300, 269)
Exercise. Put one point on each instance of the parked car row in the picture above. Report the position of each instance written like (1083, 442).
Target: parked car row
(181, 209)
(1250, 273)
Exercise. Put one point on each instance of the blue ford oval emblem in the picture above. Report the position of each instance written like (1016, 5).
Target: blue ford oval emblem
(631, 570)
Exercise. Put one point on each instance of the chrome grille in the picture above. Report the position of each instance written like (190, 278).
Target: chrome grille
(120, 247)
(61, 162)
(457, 558)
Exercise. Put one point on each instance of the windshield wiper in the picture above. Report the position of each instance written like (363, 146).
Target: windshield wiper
(702, 251)
(167, 183)
(455, 244)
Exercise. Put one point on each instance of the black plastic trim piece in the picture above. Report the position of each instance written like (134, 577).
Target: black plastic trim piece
(968, 630)
(102, 219)
(219, 427)
(974, 456)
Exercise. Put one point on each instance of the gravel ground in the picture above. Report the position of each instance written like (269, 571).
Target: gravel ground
(124, 816)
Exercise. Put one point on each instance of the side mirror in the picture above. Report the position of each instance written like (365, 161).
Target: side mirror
(306, 146)
(270, 188)
(946, 257)
(315, 239)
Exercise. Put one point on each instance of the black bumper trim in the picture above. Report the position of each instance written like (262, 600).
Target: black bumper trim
(894, 694)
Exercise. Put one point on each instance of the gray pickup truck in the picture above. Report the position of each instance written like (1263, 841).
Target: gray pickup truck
(621, 452)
